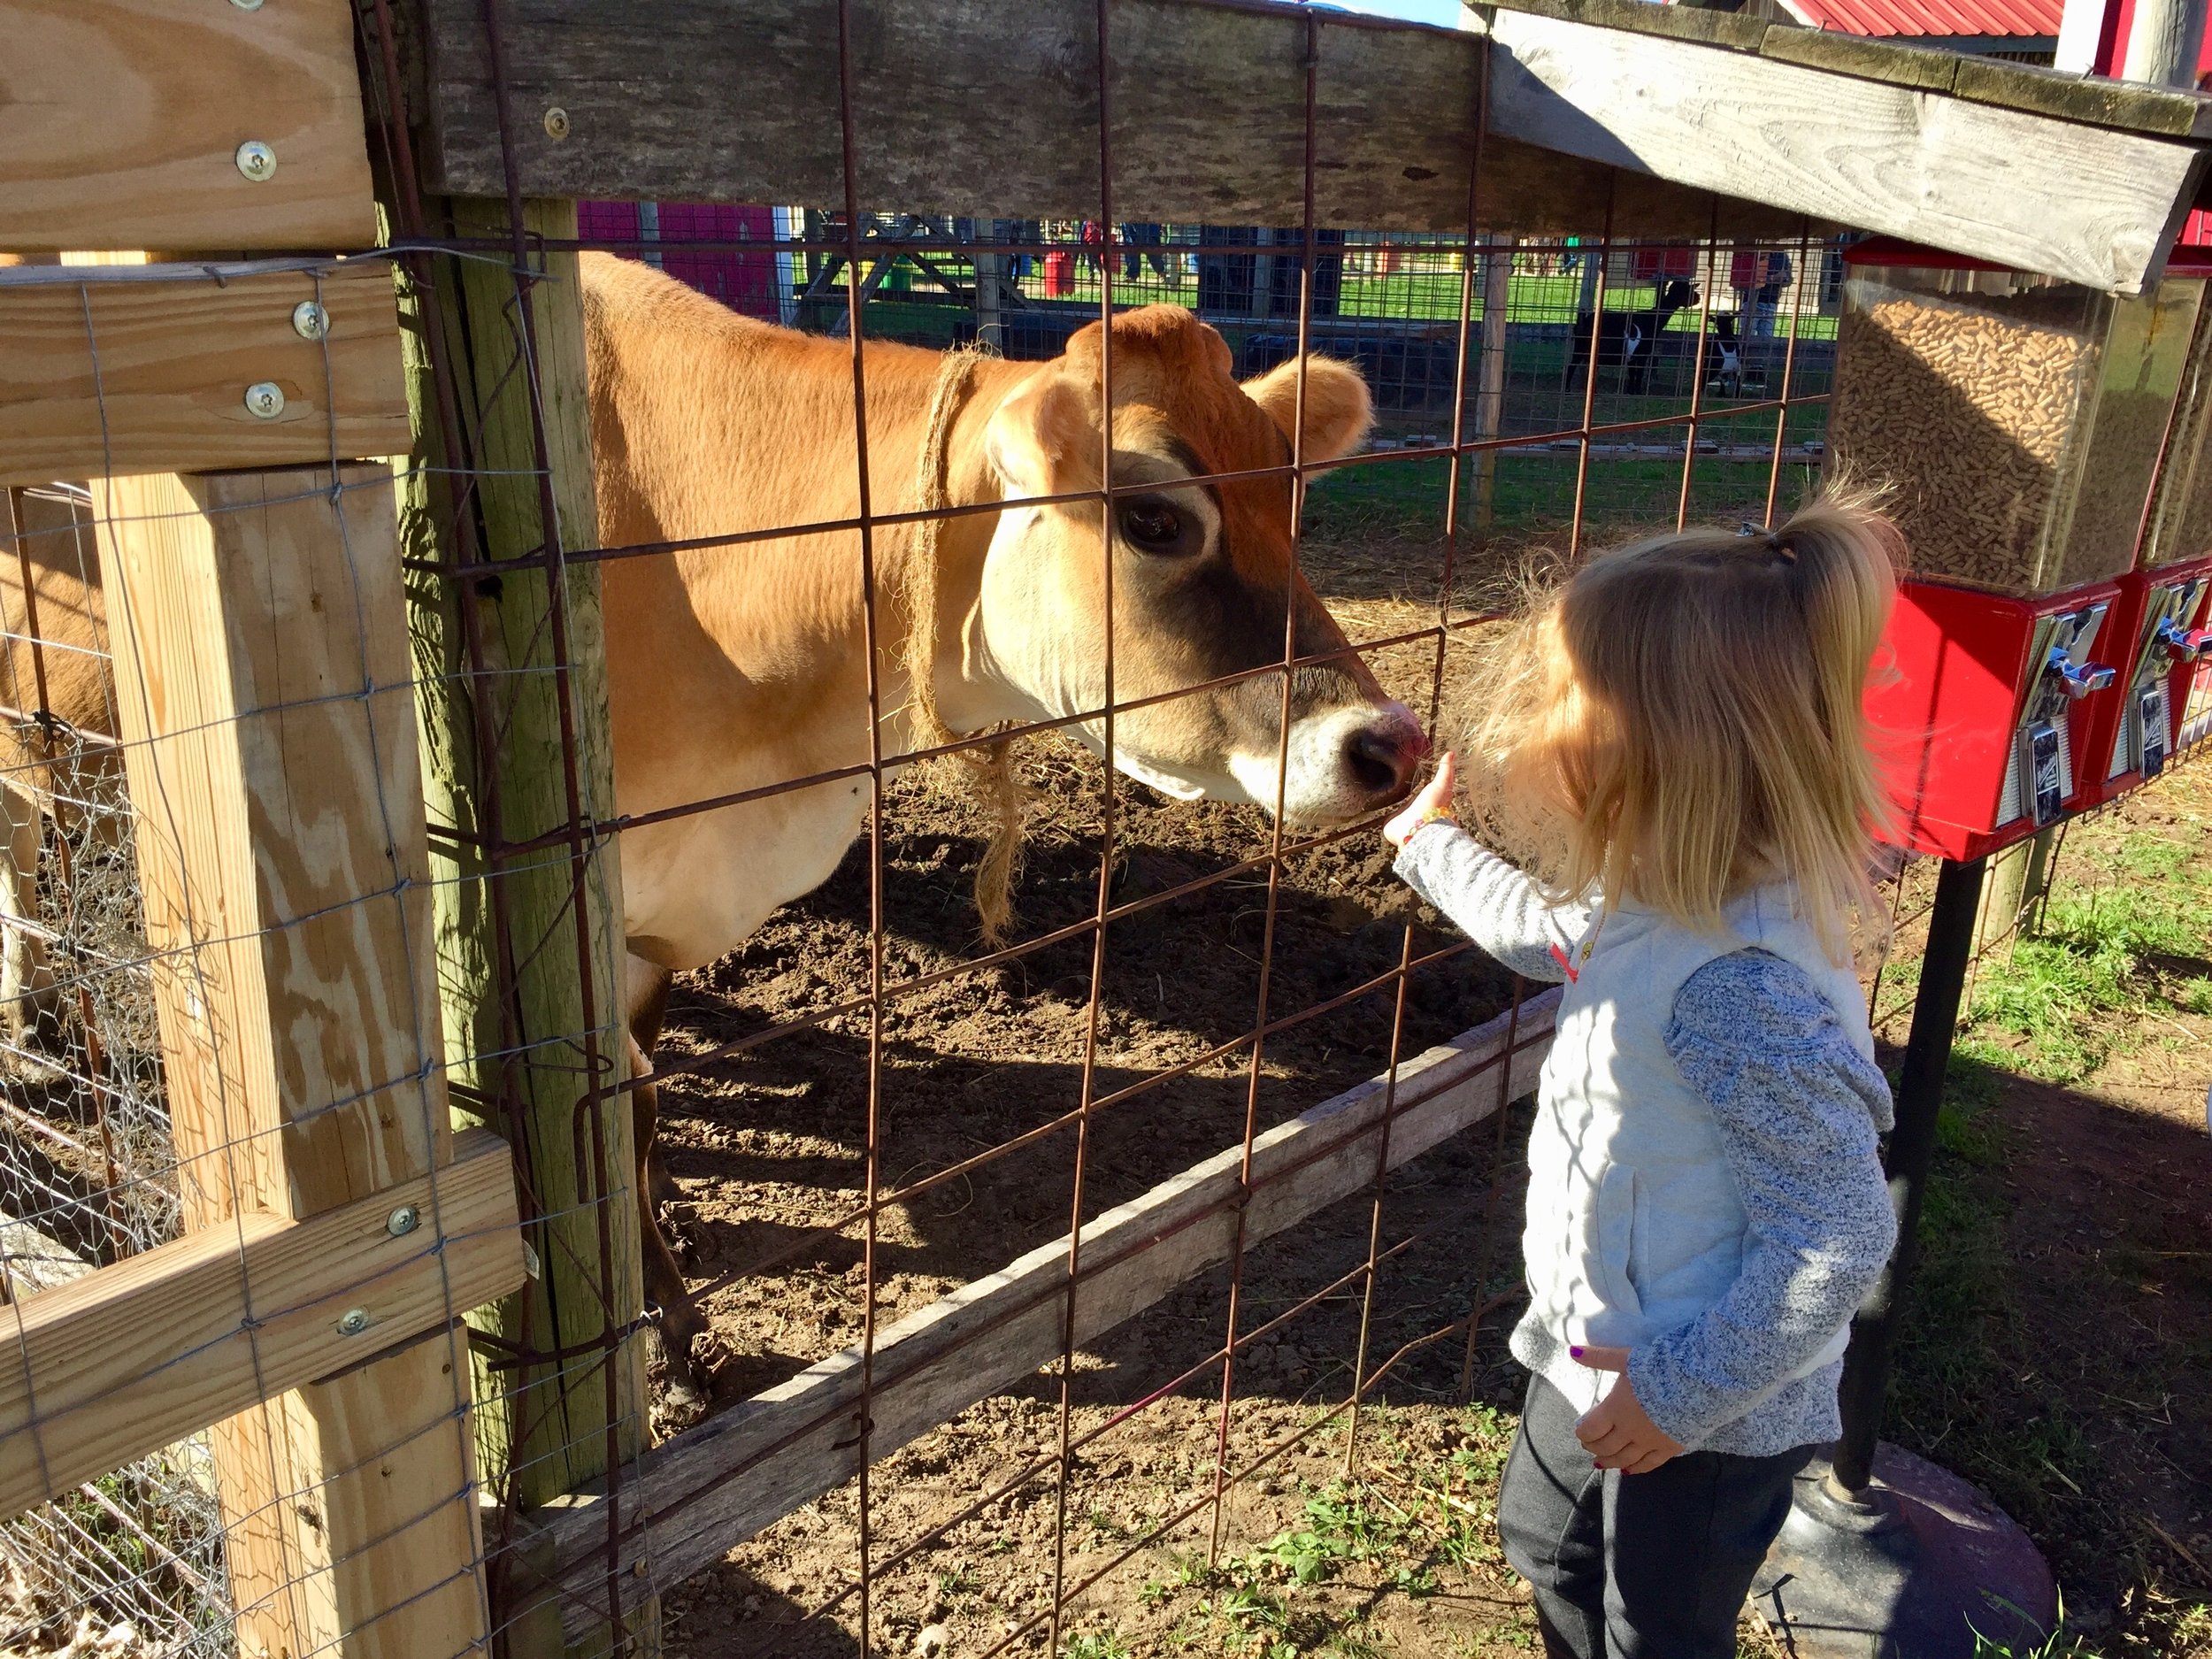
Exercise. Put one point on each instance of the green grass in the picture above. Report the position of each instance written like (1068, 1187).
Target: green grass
(1533, 496)
(2063, 993)
(1419, 295)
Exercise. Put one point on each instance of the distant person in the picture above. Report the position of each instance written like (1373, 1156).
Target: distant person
(1141, 243)
(1777, 274)
(1029, 232)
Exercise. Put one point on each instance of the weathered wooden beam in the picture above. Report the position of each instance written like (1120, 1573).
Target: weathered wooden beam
(2098, 204)
(111, 371)
(121, 1362)
(1597, 116)
(265, 693)
(121, 123)
(737, 101)
(935, 1364)
(2132, 106)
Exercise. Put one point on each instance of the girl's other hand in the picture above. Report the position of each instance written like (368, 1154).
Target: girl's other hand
(1433, 802)
(1618, 1432)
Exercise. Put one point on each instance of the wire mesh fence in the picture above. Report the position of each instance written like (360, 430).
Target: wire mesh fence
(897, 867)
(878, 1107)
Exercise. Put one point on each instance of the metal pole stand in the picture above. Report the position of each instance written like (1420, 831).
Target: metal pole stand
(1884, 1555)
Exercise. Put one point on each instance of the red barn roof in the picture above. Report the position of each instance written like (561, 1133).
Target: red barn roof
(1947, 18)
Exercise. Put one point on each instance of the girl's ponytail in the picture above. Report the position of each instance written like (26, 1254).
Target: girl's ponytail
(1690, 711)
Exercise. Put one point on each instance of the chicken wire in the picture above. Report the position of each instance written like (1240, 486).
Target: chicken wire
(133, 1562)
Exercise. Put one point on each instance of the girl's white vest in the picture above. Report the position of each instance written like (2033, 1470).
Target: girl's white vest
(1634, 1224)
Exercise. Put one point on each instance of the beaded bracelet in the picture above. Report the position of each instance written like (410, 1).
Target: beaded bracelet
(1434, 815)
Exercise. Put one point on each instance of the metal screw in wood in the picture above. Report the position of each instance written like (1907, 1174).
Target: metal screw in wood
(310, 321)
(265, 399)
(403, 1221)
(256, 161)
(353, 1322)
(557, 122)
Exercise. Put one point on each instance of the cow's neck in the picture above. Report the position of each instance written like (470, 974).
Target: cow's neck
(971, 692)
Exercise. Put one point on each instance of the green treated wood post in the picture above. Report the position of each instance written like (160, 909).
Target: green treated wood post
(521, 1061)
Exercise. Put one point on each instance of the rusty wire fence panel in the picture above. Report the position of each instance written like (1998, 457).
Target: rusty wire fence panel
(867, 1105)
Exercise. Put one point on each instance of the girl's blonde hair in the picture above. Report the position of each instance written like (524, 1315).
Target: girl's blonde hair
(1682, 720)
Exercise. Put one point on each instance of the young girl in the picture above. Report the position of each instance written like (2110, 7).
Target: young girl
(1676, 735)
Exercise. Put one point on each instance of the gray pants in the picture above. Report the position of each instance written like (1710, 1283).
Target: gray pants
(1651, 1566)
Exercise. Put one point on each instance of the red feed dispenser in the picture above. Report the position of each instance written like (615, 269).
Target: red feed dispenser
(2021, 420)
(2163, 624)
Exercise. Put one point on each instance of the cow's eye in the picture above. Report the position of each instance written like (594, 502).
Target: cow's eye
(1152, 525)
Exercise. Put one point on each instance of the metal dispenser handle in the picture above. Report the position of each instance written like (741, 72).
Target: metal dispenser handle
(2187, 644)
(2079, 682)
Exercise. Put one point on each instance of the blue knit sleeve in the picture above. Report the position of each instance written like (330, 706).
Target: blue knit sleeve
(1495, 904)
(1799, 1109)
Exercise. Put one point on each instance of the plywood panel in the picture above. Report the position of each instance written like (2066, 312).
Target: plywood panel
(150, 375)
(120, 122)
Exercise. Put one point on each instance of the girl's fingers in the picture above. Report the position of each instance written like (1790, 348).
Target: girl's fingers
(1611, 1440)
(1597, 1357)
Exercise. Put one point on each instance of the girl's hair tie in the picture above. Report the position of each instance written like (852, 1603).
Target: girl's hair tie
(1777, 543)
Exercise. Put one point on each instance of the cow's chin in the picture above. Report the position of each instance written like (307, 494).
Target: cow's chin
(1314, 801)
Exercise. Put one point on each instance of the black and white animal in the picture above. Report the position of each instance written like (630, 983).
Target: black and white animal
(1627, 341)
(1724, 370)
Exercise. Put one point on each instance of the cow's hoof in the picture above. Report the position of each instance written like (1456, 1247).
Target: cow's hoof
(679, 1406)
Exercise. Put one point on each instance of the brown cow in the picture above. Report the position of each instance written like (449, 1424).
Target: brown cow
(736, 666)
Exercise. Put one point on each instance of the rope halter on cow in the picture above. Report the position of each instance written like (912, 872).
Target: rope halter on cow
(992, 767)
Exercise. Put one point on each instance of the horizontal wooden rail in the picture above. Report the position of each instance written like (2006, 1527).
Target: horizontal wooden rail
(122, 124)
(1597, 117)
(132, 372)
(790, 1445)
(991, 107)
(122, 1362)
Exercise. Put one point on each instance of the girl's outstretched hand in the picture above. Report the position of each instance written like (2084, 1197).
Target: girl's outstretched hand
(1434, 802)
(1618, 1432)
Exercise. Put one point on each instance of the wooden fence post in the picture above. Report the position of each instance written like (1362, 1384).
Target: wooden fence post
(263, 688)
(525, 1059)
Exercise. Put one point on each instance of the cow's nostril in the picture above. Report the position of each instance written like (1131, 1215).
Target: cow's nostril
(1381, 761)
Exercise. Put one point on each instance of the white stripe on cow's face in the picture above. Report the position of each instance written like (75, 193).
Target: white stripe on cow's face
(1204, 589)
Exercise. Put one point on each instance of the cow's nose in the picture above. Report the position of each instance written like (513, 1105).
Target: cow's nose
(1381, 756)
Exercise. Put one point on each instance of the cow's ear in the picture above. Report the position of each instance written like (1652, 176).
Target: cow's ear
(1338, 410)
(1041, 442)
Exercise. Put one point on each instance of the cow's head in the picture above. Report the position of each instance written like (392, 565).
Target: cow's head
(1202, 578)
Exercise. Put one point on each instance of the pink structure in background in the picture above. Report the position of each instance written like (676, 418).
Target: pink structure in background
(744, 281)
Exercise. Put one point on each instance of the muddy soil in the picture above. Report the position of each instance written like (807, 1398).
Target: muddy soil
(769, 1149)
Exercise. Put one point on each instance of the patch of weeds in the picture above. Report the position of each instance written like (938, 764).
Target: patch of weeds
(1518, 1631)
(1095, 1644)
